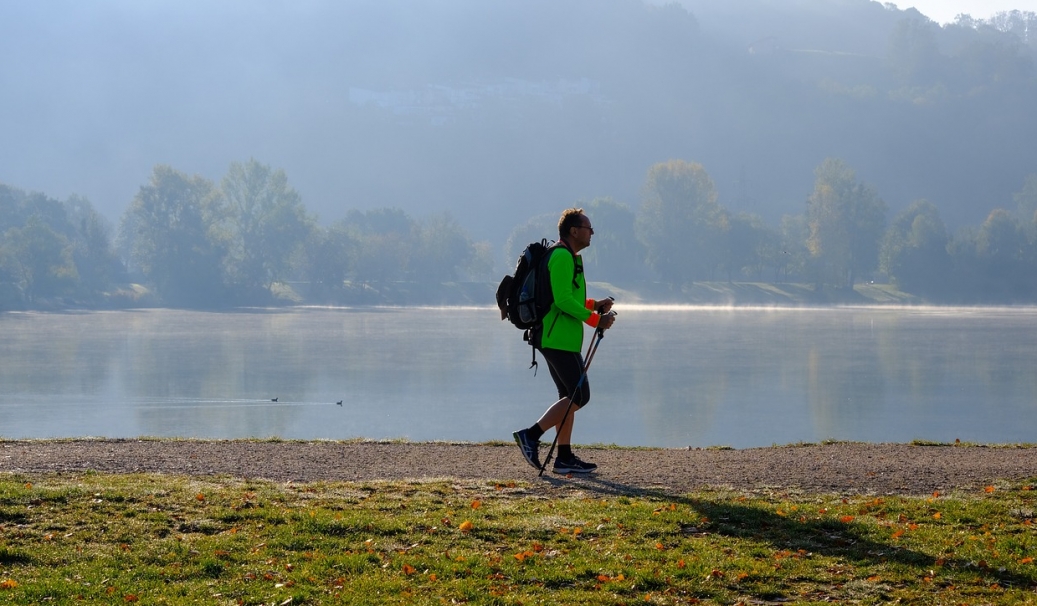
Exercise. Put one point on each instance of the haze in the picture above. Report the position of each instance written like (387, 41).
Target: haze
(497, 112)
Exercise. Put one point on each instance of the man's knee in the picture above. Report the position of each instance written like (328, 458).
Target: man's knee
(582, 397)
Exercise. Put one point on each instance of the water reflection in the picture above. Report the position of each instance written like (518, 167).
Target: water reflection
(663, 377)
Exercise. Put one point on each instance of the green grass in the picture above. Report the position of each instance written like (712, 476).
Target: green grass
(106, 539)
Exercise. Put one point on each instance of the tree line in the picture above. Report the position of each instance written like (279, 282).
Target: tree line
(682, 235)
(249, 240)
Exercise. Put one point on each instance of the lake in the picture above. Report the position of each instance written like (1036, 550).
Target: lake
(665, 376)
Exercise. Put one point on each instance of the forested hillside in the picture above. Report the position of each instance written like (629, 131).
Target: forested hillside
(483, 118)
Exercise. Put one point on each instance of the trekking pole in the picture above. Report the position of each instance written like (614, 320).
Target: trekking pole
(599, 334)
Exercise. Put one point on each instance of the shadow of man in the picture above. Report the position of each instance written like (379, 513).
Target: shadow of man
(798, 536)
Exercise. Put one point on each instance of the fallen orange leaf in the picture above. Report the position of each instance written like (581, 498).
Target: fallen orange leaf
(937, 515)
(200, 496)
(476, 504)
(989, 489)
(1026, 560)
(408, 569)
(897, 534)
(465, 526)
(846, 519)
(8, 584)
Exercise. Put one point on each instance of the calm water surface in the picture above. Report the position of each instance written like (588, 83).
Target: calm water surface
(664, 376)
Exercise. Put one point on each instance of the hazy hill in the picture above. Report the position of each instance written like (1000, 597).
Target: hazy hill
(503, 110)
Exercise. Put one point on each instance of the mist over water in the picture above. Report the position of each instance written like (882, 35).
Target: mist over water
(665, 376)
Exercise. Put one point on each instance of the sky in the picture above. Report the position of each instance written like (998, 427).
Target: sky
(944, 11)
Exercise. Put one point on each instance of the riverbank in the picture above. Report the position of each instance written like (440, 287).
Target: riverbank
(853, 468)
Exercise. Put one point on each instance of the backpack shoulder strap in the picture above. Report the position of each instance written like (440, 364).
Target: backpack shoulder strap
(562, 244)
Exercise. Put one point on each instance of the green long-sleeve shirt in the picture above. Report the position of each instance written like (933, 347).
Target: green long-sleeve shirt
(563, 324)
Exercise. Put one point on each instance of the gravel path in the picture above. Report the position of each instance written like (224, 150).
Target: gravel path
(845, 468)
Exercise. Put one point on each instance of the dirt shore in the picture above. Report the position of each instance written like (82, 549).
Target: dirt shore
(842, 468)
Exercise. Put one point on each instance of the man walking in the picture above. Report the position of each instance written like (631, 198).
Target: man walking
(560, 340)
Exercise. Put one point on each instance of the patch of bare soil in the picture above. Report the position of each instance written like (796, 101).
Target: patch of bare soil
(842, 468)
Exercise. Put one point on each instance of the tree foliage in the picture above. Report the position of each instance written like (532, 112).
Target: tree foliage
(680, 221)
(616, 256)
(198, 245)
(914, 250)
(51, 250)
(169, 231)
(266, 224)
(40, 259)
(846, 220)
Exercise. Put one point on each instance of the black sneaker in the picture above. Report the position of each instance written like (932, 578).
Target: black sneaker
(573, 465)
(530, 448)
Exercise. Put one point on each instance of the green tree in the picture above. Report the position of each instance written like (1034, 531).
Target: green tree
(266, 225)
(680, 222)
(794, 256)
(480, 267)
(912, 53)
(10, 208)
(1026, 199)
(846, 220)
(1001, 238)
(386, 243)
(749, 245)
(615, 255)
(169, 232)
(78, 227)
(914, 250)
(40, 259)
(331, 257)
(95, 259)
(537, 228)
(1004, 254)
(443, 250)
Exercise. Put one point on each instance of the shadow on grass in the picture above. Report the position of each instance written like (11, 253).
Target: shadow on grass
(10, 556)
(828, 537)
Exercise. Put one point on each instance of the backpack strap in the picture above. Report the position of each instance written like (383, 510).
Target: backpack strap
(528, 337)
(563, 244)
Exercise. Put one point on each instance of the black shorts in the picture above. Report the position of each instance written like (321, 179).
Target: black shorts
(566, 369)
